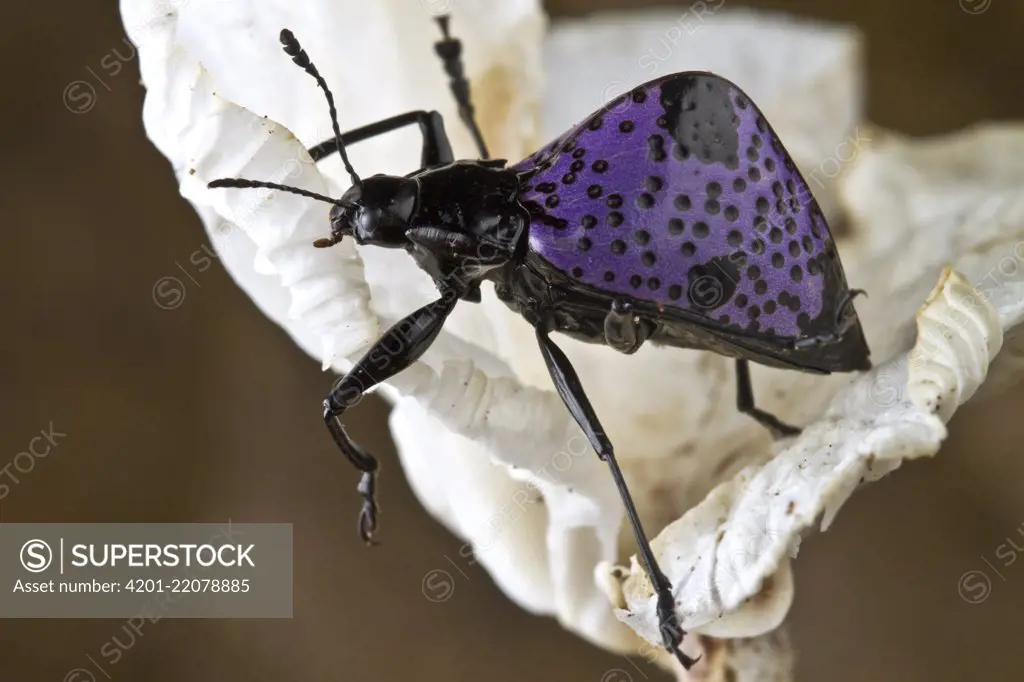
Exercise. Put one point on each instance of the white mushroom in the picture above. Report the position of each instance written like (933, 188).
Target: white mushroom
(520, 484)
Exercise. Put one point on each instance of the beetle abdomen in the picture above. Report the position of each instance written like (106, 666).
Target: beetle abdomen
(680, 193)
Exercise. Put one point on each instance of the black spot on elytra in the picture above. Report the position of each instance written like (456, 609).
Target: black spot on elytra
(576, 166)
(769, 306)
(615, 219)
(600, 166)
(649, 258)
(732, 214)
(577, 272)
(656, 148)
(815, 227)
(739, 185)
(700, 229)
(594, 191)
(675, 226)
(645, 200)
(595, 123)
(682, 202)
(688, 249)
(551, 201)
(754, 174)
(642, 237)
(626, 126)
(578, 154)
(712, 284)
(712, 207)
(535, 210)
(589, 222)
(614, 201)
(618, 246)
(675, 291)
(609, 276)
(700, 105)
(653, 183)
(640, 95)
(584, 243)
(635, 281)
(546, 187)
(568, 178)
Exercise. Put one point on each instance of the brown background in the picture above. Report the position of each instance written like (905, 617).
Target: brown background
(209, 412)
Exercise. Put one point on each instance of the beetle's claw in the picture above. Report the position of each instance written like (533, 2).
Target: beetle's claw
(671, 632)
(367, 524)
(685, 660)
(368, 514)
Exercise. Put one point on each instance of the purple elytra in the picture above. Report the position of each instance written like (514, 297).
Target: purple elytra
(681, 194)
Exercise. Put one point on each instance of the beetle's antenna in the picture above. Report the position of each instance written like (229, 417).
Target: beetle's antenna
(450, 51)
(242, 183)
(299, 56)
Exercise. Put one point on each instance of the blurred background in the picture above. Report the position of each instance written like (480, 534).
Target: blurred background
(208, 411)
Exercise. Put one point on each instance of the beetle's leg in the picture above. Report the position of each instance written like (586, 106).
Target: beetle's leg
(398, 348)
(569, 388)
(745, 404)
(450, 51)
(436, 148)
(623, 330)
(473, 250)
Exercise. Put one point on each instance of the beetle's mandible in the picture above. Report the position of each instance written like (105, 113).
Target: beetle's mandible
(672, 215)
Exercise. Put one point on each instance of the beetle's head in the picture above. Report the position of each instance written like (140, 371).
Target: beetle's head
(376, 211)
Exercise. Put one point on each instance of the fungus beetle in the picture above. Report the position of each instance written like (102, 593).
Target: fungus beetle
(672, 215)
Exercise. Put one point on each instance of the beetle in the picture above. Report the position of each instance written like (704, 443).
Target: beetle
(671, 215)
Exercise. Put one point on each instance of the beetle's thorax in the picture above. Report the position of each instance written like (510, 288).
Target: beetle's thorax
(467, 222)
